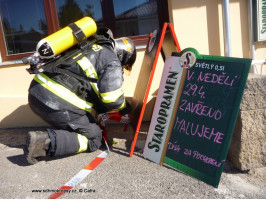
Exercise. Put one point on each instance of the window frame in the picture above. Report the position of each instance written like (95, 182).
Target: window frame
(108, 21)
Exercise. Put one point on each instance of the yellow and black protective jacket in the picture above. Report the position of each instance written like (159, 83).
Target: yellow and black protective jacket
(91, 78)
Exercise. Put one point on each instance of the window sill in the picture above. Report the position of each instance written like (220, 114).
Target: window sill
(141, 47)
(14, 62)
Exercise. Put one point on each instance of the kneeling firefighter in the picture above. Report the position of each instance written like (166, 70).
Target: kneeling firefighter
(66, 88)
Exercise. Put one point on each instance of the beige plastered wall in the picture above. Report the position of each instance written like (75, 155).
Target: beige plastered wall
(197, 24)
(15, 81)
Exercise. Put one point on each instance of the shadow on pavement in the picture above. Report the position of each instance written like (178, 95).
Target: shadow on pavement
(16, 137)
(19, 160)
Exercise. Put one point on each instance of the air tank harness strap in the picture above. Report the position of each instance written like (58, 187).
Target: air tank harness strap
(58, 70)
(74, 85)
(79, 35)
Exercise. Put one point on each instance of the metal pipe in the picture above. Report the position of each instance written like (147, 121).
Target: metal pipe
(251, 36)
(251, 29)
(227, 29)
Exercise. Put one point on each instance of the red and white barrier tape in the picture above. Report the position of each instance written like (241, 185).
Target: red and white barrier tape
(81, 174)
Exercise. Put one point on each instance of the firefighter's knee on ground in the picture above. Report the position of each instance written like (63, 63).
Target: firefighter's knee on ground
(88, 145)
(92, 133)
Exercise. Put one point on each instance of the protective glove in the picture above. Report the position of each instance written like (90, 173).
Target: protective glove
(126, 110)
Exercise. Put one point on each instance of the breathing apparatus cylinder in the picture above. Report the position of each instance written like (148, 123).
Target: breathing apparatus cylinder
(63, 39)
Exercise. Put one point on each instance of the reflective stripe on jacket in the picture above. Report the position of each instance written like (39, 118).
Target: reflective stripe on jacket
(107, 97)
(99, 63)
(89, 70)
(62, 92)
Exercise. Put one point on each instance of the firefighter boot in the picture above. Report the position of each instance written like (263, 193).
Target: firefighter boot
(37, 144)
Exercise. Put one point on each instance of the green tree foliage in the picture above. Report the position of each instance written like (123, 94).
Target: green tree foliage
(70, 12)
(89, 10)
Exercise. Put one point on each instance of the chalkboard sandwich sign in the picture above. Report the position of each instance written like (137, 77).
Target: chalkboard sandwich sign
(195, 113)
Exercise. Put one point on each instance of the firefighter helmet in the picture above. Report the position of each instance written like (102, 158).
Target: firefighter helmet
(126, 52)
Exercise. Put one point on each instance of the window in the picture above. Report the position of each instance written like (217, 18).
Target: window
(23, 25)
(135, 17)
(24, 22)
(72, 10)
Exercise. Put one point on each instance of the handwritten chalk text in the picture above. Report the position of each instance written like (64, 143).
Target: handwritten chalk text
(202, 131)
(200, 109)
(193, 154)
(222, 79)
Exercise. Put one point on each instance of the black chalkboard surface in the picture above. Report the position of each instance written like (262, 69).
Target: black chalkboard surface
(204, 115)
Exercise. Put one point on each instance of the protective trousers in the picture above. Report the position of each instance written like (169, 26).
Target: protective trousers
(70, 126)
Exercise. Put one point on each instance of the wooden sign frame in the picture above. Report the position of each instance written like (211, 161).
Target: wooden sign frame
(164, 42)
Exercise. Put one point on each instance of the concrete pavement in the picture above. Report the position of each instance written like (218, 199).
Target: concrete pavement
(118, 176)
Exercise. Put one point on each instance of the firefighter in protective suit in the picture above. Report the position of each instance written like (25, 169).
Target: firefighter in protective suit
(91, 79)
